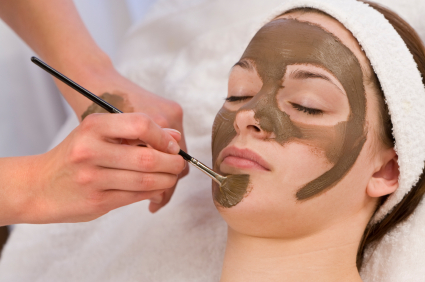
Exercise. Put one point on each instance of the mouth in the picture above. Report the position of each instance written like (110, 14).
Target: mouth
(243, 158)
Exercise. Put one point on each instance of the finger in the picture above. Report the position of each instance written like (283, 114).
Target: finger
(138, 159)
(131, 126)
(182, 143)
(126, 180)
(174, 133)
(115, 199)
(157, 199)
(184, 172)
(134, 142)
(154, 206)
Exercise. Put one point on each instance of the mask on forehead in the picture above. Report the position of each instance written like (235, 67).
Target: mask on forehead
(285, 42)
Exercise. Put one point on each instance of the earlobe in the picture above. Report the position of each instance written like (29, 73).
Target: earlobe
(385, 180)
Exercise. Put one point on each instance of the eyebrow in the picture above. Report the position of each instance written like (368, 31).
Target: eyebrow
(296, 74)
(304, 74)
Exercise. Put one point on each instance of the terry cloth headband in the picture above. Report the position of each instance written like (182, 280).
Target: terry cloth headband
(400, 80)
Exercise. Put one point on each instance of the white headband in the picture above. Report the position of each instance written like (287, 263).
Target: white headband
(400, 80)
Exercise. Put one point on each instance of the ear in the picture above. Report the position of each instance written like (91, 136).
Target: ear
(385, 180)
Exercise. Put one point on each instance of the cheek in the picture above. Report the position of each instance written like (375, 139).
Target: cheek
(299, 163)
(223, 132)
(271, 207)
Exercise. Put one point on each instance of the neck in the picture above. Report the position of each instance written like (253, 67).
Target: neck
(313, 258)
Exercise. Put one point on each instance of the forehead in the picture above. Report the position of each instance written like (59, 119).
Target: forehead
(284, 42)
(334, 27)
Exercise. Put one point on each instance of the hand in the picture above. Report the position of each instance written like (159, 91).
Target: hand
(106, 82)
(91, 172)
(166, 113)
(83, 61)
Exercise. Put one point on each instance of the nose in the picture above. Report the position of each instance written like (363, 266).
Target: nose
(246, 124)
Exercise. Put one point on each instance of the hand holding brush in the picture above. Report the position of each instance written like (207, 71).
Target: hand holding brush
(226, 183)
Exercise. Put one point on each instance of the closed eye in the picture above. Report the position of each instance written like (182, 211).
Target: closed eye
(309, 111)
(237, 98)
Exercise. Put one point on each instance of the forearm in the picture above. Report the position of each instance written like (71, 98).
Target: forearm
(18, 179)
(51, 28)
(55, 31)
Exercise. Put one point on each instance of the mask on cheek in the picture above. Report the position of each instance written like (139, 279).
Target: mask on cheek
(286, 42)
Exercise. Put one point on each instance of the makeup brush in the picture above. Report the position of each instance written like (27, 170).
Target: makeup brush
(235, 182)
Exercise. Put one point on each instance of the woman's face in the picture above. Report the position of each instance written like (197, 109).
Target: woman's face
(295, 120)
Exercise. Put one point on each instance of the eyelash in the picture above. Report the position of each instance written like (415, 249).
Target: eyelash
(306, 110)
(297, 107)
(237, 98)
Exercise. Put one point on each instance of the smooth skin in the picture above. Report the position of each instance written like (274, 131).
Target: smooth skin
(93, 170)
(271, 235)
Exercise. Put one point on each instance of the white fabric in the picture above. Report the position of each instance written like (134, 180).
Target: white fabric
(108, 21)
(138, 9)
(188, 62)
(410, 10)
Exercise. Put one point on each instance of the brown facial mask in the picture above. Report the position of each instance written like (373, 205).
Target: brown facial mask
(284, 42)
(117, 100)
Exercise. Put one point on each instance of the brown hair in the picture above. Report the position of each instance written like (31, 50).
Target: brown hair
(405, 208)
(409, 203)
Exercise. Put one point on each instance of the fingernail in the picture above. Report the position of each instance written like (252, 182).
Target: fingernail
(157, 199)
(173, 147)
(174, 130)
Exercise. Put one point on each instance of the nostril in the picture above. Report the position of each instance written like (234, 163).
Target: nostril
(255, 128)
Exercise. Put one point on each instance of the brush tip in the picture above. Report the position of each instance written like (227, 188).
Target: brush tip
(232, 190)
(236, 181)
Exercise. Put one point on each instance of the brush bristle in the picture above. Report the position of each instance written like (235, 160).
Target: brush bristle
(232, 190)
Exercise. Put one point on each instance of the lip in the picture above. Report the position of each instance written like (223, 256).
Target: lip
(243, 158)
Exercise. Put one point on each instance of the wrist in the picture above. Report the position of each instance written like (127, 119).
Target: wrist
(82, 65)
(20, 186)
(95, 73)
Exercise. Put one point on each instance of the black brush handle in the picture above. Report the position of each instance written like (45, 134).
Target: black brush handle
(185, 155)
(97, 100)
(102, 103)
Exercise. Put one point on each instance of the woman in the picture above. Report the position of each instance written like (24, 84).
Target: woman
(305, 117)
